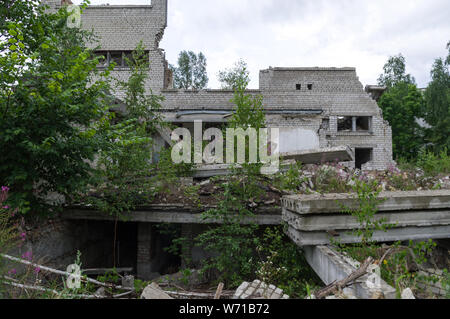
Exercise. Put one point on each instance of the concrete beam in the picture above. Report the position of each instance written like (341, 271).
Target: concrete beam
(332, 266)
(323, 222)
(302, 238)
(394, 201)
(170, 215)
(207, 171)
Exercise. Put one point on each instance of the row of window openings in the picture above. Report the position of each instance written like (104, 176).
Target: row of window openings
(350, 124)
(118, 57)
(298, 87)
(354, 124)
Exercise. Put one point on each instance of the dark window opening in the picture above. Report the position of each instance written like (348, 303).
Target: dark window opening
(120, 58)
(354, 124)
(298, 87)
(310, 86)
(325, 124)
(345, 124)
(362, 156)
(103, 59)
(363, 123)
(116, 57)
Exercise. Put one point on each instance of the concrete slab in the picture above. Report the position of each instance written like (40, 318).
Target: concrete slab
(394, 201)
(303, 238)
(207, 171)
(332, 266)
(321, 155)
(176, 215)
(342, 221)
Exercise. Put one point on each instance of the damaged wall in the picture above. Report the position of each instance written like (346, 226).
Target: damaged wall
(333, 92)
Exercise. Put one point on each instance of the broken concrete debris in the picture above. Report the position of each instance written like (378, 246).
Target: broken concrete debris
(259, 290)
(408, 294)
(128, 282)
(153, 291)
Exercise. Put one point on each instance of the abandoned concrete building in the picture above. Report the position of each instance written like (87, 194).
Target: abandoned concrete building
(313, 107)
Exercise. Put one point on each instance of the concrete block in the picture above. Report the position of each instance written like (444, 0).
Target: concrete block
(331, 266)
(394, 201)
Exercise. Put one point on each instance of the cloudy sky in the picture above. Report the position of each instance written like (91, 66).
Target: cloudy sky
(357, 33)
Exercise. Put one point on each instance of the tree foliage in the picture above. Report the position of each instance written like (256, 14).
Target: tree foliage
(123, 168)
(53, 104)
(191, 71)
(232, 78)
(395, 72)
(232, 243)
(402, 106)
(437, 98)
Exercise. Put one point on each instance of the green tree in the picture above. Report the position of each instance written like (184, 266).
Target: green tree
(235, 76)
(123, 168)
(233, 243)
(53, 103)
(191, 71)
(395, 72)
(437, 98)
(402, 106)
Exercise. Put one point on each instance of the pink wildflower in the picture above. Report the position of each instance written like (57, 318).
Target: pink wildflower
(28, 256)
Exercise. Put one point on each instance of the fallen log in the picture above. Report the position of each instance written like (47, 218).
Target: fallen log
(337, 286)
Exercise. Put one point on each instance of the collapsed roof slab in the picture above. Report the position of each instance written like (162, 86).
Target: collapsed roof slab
(323, 155)
(318, 156)
(175, 214)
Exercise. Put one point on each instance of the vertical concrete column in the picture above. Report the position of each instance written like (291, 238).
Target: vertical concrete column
(354, 124)
(144, 266)
(186, 250)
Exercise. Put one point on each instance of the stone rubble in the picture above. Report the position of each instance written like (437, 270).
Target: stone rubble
(153, 291)
(259, 290)
(408, 294)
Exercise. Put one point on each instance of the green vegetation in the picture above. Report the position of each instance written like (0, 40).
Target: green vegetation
(53, 106)
(190, 72)
(230, 78)
(404, 106)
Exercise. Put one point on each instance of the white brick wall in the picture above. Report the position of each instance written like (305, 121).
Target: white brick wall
(335, 91)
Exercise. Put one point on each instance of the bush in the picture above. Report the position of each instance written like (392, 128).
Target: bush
(284, 265)
(432, 164)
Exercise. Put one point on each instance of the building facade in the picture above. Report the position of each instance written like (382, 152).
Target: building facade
(313, 107)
